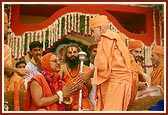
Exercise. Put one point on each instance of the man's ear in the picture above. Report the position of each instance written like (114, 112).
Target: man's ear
(30, 52)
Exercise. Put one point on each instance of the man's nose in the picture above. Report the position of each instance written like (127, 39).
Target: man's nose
(39, 52)
(73, 53)
(139, 54)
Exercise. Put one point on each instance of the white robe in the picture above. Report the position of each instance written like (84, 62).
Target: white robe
(32, 68)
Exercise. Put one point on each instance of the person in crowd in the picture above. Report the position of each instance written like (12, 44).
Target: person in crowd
(34, 66)
(8, 67)
(139, 81)
(156, 86)
(60, 51)
(15, 78)
(157, 75)
(92, 49)
(20, 64)
(46, 91)
(70, 71)
(112, 69)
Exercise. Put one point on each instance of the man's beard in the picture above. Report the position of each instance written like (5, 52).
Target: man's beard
(73, 61)
(139, 59)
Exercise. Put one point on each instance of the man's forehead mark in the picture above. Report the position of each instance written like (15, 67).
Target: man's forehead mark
(72, 49)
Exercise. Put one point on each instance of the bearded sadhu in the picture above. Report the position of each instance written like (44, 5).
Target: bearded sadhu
(70, 73)
(47, 91)
(139, 81)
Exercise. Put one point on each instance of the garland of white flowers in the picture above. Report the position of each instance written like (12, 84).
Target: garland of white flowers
(64, 25)
(154, 25)
(148, 50)
(161, 19)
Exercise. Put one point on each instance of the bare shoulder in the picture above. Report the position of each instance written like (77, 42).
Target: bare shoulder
(34, 84)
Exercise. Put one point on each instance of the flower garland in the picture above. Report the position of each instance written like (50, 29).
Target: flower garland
(72, 22)
(53, 90)
(154, 24)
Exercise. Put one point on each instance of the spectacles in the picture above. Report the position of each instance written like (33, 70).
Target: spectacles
(56, 61)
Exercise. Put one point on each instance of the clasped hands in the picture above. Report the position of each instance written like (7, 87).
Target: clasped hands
(74, 86)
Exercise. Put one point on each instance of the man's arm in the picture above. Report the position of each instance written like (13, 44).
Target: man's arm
(88, 84)
(38, 98)
(84, 76)
(20, 71)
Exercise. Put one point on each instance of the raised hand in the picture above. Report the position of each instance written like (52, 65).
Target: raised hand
(22, 71)
(68, 89)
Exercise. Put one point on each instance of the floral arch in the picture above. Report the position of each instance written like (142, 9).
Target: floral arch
(73, 19)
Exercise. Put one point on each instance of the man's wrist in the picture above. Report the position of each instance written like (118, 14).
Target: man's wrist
(60, 96)
(91, 73)
(16, 70)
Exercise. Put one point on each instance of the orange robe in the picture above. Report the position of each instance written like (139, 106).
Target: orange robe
(29, 103)
(86, 104)
(112, 73)
(157, 76)
(7, 55)
(9, 84)
(136, 73)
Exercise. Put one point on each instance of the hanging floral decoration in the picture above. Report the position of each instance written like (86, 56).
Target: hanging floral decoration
(70, 23)
(25, 44)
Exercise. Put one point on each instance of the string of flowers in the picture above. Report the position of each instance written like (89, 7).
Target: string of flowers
(73, 22)
(44, 37)
(20, 47)
(60, 27)
(160, 26)
(50, 82)
(27, 44)
(69, 22)
(24, 43)
(64, 25)
(154, 24)
(10, 11)
(71, 19)
(51, 36)
(55, 30)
